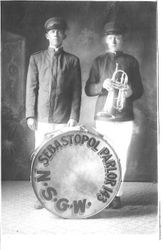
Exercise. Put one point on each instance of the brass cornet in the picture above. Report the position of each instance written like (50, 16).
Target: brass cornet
(116, 93)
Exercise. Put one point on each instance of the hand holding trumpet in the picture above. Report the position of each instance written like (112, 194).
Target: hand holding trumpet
(118, 82)
(108, 84)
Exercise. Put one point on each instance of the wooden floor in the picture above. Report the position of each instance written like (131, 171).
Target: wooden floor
(22, 224)
(137, 216)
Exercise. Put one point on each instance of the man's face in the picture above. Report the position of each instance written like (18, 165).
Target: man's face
(114, 42)
(55, 37)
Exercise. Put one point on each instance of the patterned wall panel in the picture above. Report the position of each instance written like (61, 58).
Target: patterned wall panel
(15, 135)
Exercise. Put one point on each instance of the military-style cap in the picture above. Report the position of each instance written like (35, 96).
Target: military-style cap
(114, 28)
(55, 23)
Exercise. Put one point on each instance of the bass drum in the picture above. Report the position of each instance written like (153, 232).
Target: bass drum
(75, 173)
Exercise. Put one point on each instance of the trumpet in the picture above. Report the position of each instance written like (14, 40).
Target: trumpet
(119, 84)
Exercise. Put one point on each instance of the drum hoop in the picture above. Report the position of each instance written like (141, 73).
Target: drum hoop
(97, 135)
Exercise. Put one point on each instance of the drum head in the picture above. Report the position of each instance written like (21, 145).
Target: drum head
(75, 174)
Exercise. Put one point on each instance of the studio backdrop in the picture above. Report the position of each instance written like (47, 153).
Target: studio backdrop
(23, 34)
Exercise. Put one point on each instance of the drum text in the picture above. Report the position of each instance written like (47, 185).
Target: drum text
(72, 139)
(110, 176)
(62, 204)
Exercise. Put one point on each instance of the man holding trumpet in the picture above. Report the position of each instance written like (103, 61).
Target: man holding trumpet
(115, 78)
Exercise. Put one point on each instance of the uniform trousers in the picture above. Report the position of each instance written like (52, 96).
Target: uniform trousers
(119, 135)
(44, 128)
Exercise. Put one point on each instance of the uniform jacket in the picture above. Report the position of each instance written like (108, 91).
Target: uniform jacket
(102, 68)
(53, 90)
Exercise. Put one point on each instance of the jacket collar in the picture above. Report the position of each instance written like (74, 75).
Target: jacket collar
(54, 52)
(117, 53)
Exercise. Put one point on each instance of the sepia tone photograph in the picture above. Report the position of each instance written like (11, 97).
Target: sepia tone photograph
(79, 119)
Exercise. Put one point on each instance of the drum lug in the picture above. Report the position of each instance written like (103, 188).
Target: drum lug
(83, 128)
(94, 130)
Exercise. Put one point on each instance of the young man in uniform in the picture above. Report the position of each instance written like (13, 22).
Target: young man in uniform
(114, 107)
(53, 91)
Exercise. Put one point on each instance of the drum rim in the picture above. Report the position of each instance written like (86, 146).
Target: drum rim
(58, 135)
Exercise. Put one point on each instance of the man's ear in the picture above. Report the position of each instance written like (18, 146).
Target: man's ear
(104, 39)
(46, 35)
(64, 36)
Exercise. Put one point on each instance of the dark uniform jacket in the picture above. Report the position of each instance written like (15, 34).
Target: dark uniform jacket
(53, 91)
(103, 67)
